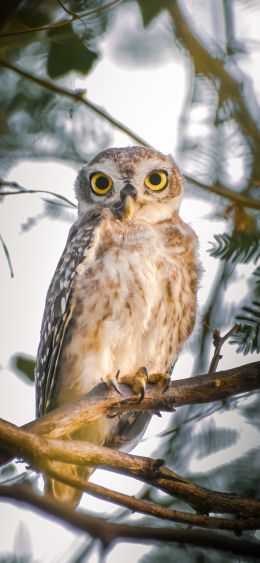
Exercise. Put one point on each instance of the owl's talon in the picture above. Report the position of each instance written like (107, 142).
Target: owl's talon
(167, 383)
(142, 394)
(112, 381)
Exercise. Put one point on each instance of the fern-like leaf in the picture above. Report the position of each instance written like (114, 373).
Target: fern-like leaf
(248, 337)
(239, 247)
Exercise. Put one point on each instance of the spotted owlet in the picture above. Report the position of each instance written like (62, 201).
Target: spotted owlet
(123, 294)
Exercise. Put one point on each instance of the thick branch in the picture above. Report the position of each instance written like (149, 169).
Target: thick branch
(102, 401)
(108, 532)
(153, 509)
(22, 443)
(40, 451)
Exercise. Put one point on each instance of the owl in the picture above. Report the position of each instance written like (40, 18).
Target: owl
(123, 295)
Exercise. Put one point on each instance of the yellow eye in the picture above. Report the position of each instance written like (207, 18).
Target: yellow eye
(156, 180)
(100, 183)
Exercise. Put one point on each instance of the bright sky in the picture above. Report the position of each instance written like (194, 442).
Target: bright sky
(35, 253)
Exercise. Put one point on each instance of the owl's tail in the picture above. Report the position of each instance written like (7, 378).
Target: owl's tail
(66, 493)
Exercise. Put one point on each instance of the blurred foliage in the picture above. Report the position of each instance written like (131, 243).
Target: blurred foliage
(24, 365)
(239, 247)
(151, 9)
(244, 247)
(33, 121)
(185, 555)
(248, 339)
(68, 53)
(218, 145)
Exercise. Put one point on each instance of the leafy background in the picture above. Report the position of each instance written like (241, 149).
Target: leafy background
(217, 148)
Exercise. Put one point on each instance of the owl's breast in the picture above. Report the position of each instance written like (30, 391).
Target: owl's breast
(134, 303)
(138, 283)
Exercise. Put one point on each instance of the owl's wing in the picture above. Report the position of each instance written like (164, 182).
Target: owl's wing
(57, 313)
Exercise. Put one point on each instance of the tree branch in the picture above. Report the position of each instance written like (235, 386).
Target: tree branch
(218, 342)
(40, 451)
(153, 509)
(77, 96)
(109, 532)
(210, 65)
(238, 197)
(7, 255)
(21, 190)
(198, 389)
(104, 401)
(63, 22)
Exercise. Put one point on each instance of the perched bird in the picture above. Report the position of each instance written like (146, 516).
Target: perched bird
(123, 295)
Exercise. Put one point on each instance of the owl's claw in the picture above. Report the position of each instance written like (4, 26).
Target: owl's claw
(161, 379)
(112, 381)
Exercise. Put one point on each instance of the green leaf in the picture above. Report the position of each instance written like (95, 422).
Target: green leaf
(67, 53)
(25, 366)
(151, 8)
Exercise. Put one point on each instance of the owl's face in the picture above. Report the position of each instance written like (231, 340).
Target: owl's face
(134, 182)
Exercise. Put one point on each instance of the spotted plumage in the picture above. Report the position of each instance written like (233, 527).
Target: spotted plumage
(124, 292)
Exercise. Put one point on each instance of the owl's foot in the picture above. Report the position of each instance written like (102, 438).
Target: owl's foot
(137, 381)
(163, 380)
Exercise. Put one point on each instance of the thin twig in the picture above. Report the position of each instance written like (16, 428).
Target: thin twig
(21, 190)
(73, 14)
(109, 532)
(77, 96)
(7, 255)
(218, 342)
(219, 189)
(61, 23)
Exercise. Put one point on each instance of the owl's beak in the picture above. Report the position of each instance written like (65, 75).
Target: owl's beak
(128, 197)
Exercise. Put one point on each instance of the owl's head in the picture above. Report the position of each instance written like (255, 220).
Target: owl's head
(134, 182)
